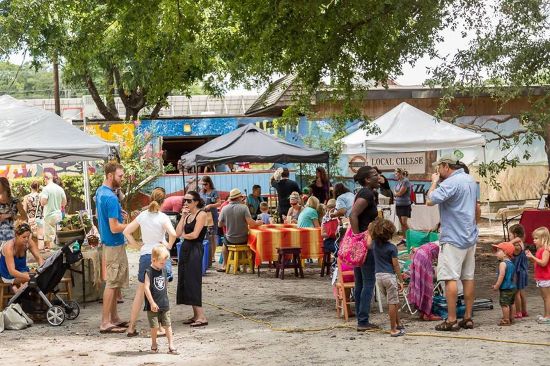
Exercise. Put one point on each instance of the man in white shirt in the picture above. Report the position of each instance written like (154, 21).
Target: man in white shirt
(52, 199)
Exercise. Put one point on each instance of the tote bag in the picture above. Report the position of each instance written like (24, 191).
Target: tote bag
(15, 318)
(353, 248)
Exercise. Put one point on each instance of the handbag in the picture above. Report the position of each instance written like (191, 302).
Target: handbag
(353, 248)
(331, 227)
(15, 318)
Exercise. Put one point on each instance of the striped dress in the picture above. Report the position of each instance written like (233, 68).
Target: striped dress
(421, 286)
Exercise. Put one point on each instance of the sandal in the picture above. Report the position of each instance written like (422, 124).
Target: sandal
(504, 323)
(173, 351)
(447, 326)
(154, 350)
(466, 323)
(189, 321)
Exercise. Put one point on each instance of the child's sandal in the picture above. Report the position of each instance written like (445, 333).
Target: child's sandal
(154, 350)
(504, 323)
(173, 351)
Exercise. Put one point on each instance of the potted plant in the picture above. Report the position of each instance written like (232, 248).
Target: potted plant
(73, 227)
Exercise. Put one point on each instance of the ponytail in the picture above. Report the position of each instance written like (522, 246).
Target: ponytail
(154, 207)
(157, 199)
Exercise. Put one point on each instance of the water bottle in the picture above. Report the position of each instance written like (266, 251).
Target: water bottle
(76, 246)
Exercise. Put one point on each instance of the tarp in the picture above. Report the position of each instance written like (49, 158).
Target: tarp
(29, 134)
(251, 144)
(407, 129)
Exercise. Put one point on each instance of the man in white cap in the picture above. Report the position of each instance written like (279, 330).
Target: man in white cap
(456, 196)
(236, 218)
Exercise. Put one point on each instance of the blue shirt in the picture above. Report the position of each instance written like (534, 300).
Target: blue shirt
(457, 200)
(306, 217)
(345, 200)
(108, 207)
(404, 200)
(383, 257)
(508, 281)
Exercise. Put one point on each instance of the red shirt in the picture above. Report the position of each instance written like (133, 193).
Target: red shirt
(542, 273)
(172, 204)
(221, 207)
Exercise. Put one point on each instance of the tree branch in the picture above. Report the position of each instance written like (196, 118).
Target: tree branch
(97, 98)
(500, 135)
(120, 87)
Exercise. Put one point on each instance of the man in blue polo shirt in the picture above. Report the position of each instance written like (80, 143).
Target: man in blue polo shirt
(109, 217)
(456, 196)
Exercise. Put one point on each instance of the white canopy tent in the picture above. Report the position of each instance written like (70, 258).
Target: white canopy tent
(29, 134)
(407, 129)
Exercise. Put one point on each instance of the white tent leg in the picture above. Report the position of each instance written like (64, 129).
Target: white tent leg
(487, 186)
(87, 203)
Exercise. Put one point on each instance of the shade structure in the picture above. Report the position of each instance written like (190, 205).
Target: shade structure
(29, 134)
(407, 129)
(251, 144)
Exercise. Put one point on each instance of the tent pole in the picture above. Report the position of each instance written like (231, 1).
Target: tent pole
(87, 201)
(196, 177)
(301, 178)
(183, 177)
(487, 185)
(328, 176)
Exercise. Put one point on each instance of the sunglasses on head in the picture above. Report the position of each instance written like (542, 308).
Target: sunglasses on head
(188, 200)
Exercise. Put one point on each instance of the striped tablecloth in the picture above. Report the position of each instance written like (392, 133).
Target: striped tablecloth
(265, 241)
(285, 226)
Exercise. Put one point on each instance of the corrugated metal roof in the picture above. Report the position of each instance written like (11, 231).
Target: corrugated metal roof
(272, 95)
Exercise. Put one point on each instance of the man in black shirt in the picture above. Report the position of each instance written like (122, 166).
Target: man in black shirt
(284, 188)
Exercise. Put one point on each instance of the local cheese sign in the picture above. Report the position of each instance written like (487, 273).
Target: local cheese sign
(414, 163)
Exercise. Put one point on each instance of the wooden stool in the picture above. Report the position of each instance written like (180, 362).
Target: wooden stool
(295, 263)
(326, 263)
(239, 255)
(5, 294)
(343, 292)
(68, 289)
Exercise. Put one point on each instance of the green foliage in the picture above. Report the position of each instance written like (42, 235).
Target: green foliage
(74, 222)
(324, 138)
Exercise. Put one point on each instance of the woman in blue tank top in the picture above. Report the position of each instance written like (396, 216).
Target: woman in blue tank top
(13, 258)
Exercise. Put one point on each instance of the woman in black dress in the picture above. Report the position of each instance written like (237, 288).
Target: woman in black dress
(192, 229)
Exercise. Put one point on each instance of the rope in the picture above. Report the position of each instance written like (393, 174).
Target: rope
(304, 330)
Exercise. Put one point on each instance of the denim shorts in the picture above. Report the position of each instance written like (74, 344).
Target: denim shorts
(145, 262)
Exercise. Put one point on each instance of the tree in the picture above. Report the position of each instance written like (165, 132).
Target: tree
(140, 51)
(351, 44)
(507, 58)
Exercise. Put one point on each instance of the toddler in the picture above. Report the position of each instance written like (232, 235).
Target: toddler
(505, 282)
(264, 215)
(541, 238)
(387, 270)
(156, 302)
(521, 265)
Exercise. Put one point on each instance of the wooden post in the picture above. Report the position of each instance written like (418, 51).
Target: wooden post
(56, 86)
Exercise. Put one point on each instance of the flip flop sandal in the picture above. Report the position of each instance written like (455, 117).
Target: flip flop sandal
(400, 327)
(112, 330)
(198, 324)
(123, 324)
(154, 350)
(401, 333)
(466, 323)
(133, 334)
(189, 321)
(504, 323)
(447, 327)
(543, 320)
(173, 351)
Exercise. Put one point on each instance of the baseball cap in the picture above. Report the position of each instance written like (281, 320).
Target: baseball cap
(305, 190)
(507, 247)
(449, 159)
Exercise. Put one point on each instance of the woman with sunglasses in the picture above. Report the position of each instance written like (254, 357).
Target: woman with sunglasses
(154, 226)
(192, 228)
(13, 258)
(295, 209)
(212, 202)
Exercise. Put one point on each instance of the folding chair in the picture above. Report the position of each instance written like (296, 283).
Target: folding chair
(343, 292)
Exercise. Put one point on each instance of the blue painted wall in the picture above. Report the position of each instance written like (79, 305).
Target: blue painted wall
(199, 126)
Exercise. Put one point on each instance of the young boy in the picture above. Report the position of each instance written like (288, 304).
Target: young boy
(505, 282)
(306, 193)
(156, 302)
(387, 270)
(264, 215)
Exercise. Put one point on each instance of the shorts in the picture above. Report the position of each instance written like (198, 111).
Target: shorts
(543, 283)
(507, 297)
(145, 262)
(116, 266)
(456, 264)
(159, 318)
(8, 281)
(387, 283)
(403, 211)
(50, 227)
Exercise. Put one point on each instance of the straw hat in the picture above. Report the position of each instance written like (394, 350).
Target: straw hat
(331, 203)
(234, 193)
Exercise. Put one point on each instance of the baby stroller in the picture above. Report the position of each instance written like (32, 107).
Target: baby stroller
(44, 281)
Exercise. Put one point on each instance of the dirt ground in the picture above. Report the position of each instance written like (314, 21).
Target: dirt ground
(292, 304)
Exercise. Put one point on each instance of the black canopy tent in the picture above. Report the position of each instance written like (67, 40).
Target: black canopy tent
(251, 144)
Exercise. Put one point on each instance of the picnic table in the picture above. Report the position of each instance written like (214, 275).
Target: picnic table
(265, 240)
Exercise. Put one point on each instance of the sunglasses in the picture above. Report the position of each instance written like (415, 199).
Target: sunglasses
(188, 200)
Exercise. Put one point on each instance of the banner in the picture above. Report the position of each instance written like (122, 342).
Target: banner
(414, 163)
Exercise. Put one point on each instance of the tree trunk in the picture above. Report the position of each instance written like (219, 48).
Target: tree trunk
(57, 101)
(158, 107)
(97, 99)
(110, 86)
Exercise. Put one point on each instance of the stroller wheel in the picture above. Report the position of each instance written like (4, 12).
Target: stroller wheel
(72, 310)
(55, 315)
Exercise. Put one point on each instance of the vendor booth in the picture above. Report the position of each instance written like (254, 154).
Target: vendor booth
(410, 132)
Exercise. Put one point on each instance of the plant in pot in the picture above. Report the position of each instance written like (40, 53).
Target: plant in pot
(73, 227)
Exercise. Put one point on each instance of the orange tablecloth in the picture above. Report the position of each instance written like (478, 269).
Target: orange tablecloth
(265, 241)
(271, 226)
